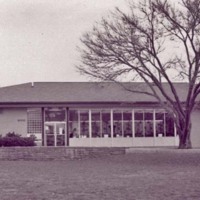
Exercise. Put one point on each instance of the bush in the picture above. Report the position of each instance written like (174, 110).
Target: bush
(13, 140)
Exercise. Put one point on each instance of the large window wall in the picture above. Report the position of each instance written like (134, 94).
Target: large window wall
(120, 123)
(101, 127)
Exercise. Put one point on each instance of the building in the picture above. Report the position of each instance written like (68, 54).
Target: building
(89, 114)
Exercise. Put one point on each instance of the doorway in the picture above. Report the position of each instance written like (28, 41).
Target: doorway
(55, 133)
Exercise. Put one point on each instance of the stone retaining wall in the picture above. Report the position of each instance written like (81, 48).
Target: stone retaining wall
(57, 153)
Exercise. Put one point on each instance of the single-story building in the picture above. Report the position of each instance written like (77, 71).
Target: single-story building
(89, 114)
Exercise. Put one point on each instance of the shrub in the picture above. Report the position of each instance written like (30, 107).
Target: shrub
(13, 139)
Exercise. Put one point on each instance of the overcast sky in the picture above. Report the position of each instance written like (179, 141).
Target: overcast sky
(38, 38)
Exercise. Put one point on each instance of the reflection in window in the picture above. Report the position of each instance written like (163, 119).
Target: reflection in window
(127, 123)
(169, 125)
(106, 126)
(139, 126)
(96, 123)
(144, 124)
(49, 132)
(160, 124)
(164, 124)
(60, 134)
(148, 117)
(73, 124)
(54, 115)
(49, 129)
(117, 124)
(84, 123)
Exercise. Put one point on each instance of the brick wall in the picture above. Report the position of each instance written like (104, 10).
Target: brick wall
(56, 153)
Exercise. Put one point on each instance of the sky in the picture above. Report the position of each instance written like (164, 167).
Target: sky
(38, 39)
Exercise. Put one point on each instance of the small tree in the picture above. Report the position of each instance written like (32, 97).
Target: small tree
(157, 42)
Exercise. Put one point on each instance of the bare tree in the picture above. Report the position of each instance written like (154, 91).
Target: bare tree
(156, 41)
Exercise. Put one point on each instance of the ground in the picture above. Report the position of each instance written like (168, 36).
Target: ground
(140, 175)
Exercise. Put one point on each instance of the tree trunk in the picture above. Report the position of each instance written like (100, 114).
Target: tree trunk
(184, 137)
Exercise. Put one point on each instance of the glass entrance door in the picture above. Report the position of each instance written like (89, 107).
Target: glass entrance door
(60, 134)
(55, 133)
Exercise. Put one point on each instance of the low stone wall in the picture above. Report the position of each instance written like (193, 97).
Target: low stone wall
(57, 153)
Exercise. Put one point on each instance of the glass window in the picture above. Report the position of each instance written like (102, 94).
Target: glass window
(148, 117)
(84, 115)
(106, 126)
(117, 123)
(144, 124)
(34, 121)
(49, 132)
(127, 115)
(127, 123)
(96, 123)
(60, 134)
(73, 124)
(139, 124)
(160, 124)
(84, 123)
(139, 115)
(73, 115)
(122, 123)
(96, 115)
(169, 125)
(54, 114)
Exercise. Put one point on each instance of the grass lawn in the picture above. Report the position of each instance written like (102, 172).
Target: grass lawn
(141, 175)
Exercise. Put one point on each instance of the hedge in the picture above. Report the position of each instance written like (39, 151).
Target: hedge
(13, 140)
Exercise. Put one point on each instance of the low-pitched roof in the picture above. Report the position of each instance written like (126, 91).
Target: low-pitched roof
(82, 92)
